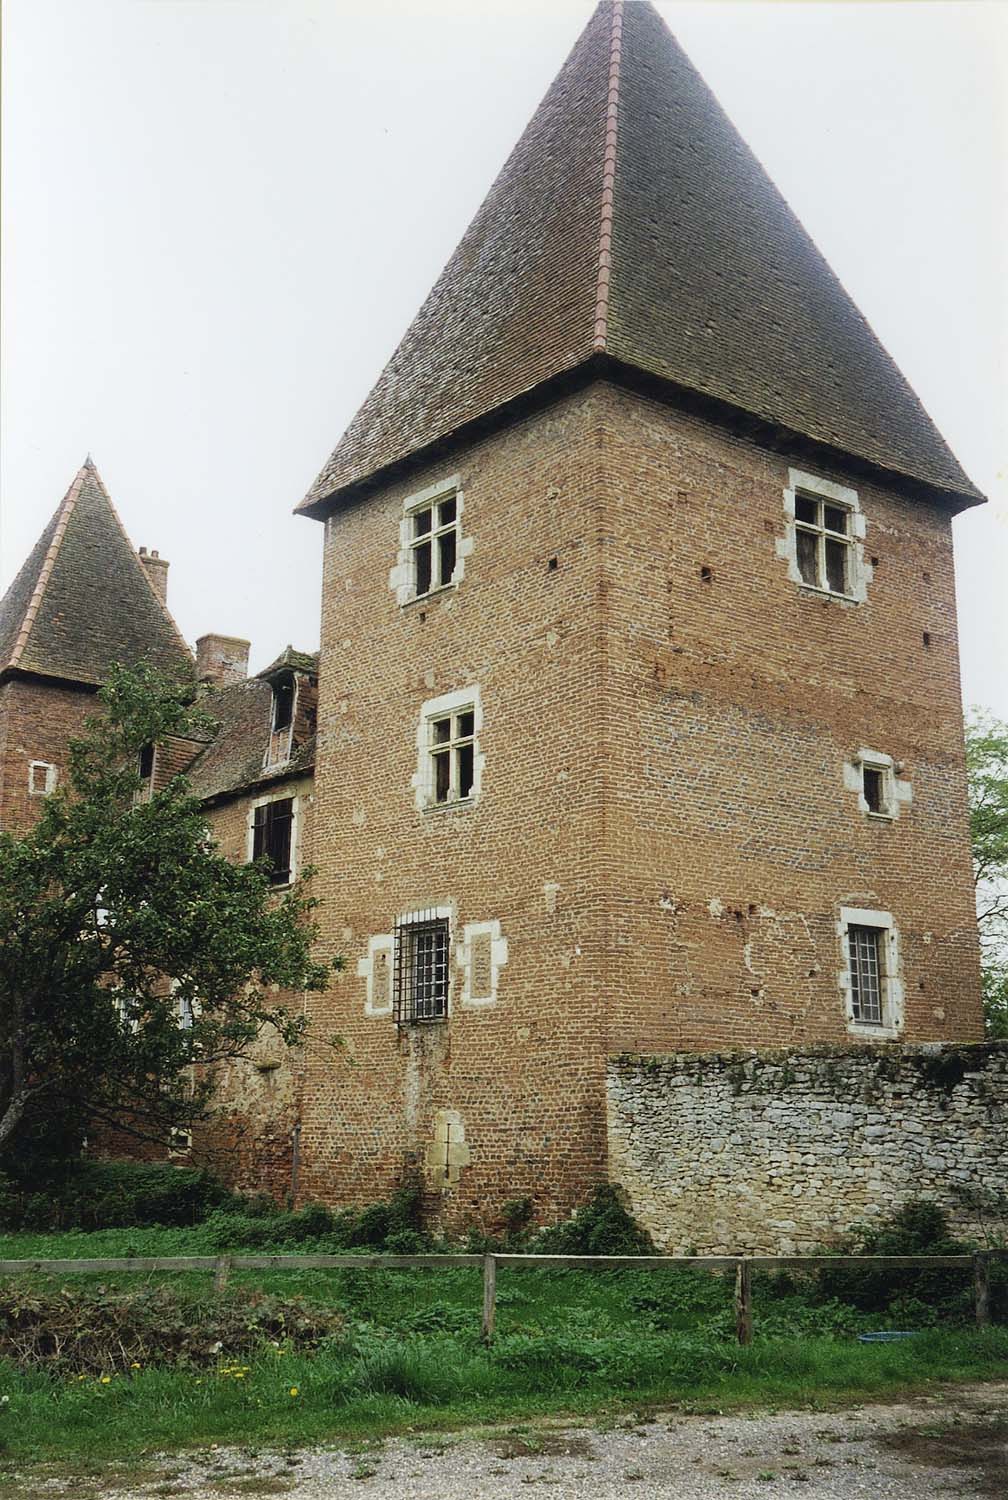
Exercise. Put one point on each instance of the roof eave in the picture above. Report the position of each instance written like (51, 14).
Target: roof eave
(602, 366)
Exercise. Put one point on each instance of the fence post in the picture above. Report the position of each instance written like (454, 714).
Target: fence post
(222, 1271)
(743, 1302)
(489, 1296)
(981, 1287)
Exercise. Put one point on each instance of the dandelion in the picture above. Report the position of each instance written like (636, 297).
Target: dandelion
(134, 1365)
(294, 1391)
(106, 1380)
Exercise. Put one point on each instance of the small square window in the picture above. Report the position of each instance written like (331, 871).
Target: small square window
(41, 778)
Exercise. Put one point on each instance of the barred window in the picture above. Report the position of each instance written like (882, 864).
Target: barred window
(421, 969)
(433, 545)
(272, 828)
(867, 974)
(823, 543)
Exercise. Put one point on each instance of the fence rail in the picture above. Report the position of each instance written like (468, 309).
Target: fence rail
(743, 1265)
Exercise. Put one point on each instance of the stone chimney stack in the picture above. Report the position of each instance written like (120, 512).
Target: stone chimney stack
(221, 660)
(157, 572)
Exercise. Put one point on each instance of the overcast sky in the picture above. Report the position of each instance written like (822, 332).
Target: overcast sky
(221, 215)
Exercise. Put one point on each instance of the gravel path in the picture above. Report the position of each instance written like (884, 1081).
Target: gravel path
(951, 1443)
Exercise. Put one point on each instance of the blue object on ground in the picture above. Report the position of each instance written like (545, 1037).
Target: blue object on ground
(888, 1336)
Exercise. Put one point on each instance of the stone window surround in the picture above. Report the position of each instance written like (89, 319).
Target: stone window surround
(279, 794)
(422, 781)
(898, 793)
(49, 784)
(892, 998)
(385, 943)
(787, 546)
(498, 958)
(401, 580)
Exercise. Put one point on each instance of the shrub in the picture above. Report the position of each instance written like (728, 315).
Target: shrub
(93, 1331)
(115, 1195)
(602, 1227)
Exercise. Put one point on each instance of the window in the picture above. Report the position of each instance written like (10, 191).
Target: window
(449, 765)
(145, 763)
(41, 778)
(873, 788)
(433, 545)
(421, 968)
(283, 704)
(452, 752)
(272, 837)
(185, 1012)
(866, 960)
(823, 543)
(870, 979)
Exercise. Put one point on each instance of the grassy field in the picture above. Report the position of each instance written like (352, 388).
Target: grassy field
(407, 1355)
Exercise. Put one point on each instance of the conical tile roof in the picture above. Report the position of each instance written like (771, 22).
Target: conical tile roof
(83, 600)
(632, 232)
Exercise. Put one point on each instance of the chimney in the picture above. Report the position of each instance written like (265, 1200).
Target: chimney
(221, 660)
(157, 572)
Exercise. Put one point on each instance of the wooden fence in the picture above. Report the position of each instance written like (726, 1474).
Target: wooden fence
(221, 1267)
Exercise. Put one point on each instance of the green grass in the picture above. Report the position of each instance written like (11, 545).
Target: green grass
(409, 1357)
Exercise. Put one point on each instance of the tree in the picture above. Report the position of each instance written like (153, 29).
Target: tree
(118, 917)
(987, 771)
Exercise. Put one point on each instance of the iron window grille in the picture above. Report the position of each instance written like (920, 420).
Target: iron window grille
(272, 826)
(867, 974)
(823, 544)
(452, 750)
(421, 969)
(433, 546)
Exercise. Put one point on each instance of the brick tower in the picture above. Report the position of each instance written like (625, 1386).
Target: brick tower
(83, 601)
(639, 720)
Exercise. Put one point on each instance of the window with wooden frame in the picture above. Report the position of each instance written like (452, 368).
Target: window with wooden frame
(273, 838)
(422, 973)
(824, 543)
(433, 544)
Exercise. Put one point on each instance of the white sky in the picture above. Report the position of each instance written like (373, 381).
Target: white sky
(222, 214)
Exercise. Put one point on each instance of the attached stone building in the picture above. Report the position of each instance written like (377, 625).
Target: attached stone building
(639, 718)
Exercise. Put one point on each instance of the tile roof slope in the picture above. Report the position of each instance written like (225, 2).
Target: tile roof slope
(233, 760)
(714, 286)
(83, 600)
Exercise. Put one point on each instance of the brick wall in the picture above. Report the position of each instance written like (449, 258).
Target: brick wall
(781, 1152)
(37, 721)
(663, 830)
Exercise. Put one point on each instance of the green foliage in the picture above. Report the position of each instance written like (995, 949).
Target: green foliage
(88, 1330)
(987, 773)
(116, 912)
(393, 1227)
(115, 1194)
(602, 1227)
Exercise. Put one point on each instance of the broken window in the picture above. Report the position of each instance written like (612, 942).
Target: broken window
(877, 787)
(452, 750)
(41, 778)
(823, 544)
(874, 788)
(433, 545)
(283, 704)
(421, 968)
(272, 829)
(867, 972)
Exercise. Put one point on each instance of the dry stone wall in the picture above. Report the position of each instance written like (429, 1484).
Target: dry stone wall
(780, 1152)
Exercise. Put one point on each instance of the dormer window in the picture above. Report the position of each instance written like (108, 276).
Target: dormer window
(283, 704)
(145, 763)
